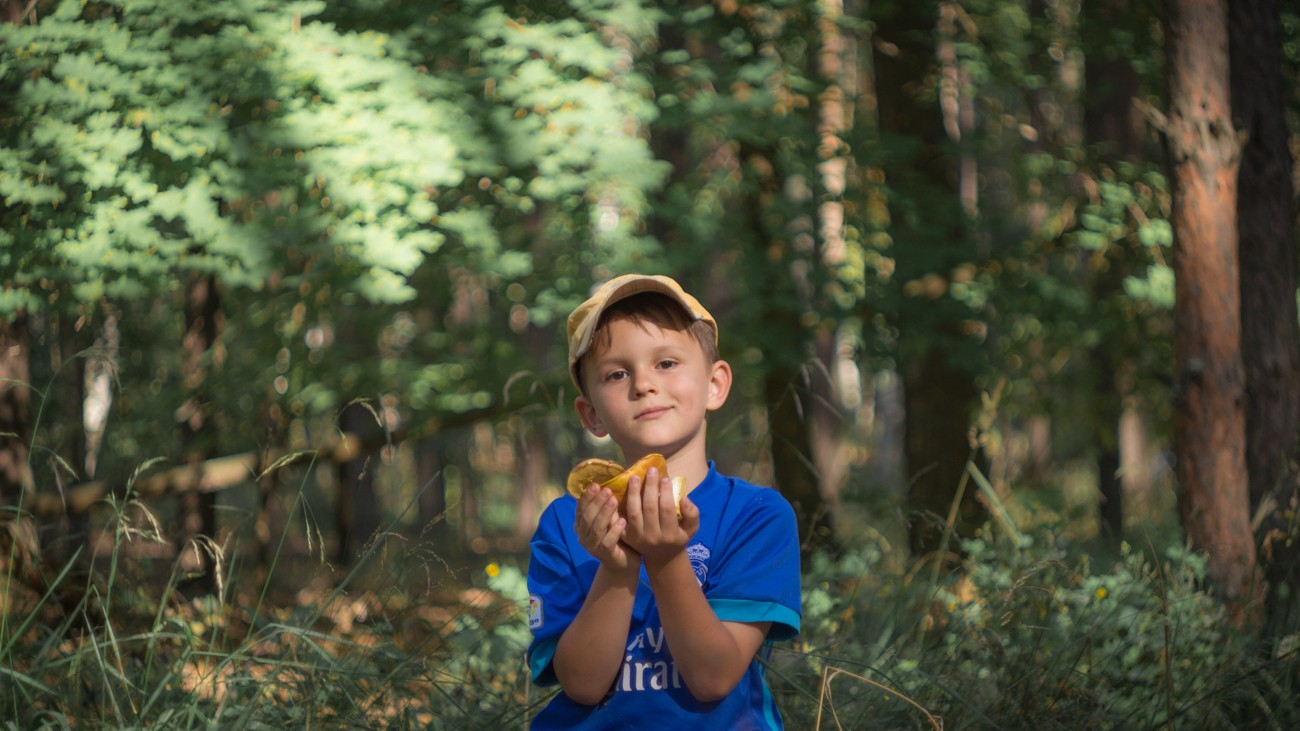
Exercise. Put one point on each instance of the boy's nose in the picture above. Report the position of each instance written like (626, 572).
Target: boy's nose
(643, 383)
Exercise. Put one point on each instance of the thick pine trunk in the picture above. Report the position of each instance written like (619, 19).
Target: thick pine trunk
(1209, 417)
(1270, 338)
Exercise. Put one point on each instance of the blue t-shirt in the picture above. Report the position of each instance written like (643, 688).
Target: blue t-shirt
(746, 558)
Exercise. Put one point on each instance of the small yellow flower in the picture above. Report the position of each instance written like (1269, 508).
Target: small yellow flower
(493, 569)
(1101, 592)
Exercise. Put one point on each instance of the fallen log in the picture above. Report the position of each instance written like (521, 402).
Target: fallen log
(211, 475)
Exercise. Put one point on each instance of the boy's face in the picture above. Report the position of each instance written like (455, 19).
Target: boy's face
(650, 389)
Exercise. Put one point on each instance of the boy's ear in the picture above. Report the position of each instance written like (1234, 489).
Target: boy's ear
(719, 384)
(590, 419)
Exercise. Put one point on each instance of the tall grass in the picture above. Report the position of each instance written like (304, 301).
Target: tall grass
(1026, 628)
(111, 643)
(1028, 633)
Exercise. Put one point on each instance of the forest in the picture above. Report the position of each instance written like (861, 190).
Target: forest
(1009, 289)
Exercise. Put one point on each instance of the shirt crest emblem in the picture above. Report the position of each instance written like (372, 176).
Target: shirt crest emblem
(698, 553)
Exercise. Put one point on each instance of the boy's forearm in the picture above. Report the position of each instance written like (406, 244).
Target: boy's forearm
(591, 650)
(708, 655)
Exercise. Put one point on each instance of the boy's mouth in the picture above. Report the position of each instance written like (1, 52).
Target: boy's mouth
(652, 413)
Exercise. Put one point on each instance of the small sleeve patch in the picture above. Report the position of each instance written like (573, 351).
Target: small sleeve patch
(534, 612)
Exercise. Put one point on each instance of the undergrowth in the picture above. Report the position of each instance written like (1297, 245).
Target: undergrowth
(1031, 634)
(1028, 631)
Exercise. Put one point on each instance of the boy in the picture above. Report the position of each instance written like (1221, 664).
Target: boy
(651, 620)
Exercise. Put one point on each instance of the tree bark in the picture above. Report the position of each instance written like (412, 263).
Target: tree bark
(357, 519)
(432, 504)
(1209, 417)
(1110, 118)
(936, 437)
(789, 404)
(12, 11)
(789, 400)
(198, 438)
(15, 374)
(1270, 337)
(927, 224)
(1112, 126)
(15, 409)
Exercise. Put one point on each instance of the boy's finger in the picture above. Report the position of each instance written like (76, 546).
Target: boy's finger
(614, 534)
(651, 500)
(589, 504)
(667, 500)
(634, 515)
(595, 509)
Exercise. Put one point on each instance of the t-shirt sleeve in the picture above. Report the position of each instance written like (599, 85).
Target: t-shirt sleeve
(756, 579)
(555, 593)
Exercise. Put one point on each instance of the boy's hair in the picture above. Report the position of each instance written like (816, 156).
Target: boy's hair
(656, 309)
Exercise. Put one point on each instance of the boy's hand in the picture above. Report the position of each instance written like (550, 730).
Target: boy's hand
(653, 528)
(600, 529)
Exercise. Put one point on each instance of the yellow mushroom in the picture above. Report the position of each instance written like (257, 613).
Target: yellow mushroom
(612, 475)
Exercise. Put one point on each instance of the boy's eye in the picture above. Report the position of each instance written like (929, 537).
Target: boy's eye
(616, 375)
(667, 363)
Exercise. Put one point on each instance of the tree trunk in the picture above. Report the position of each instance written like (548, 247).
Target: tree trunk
(927, 225)
(64, 536)
(787, 352)
(12, 11)
(1209, 417)
(15, 409)
(533, 470)
(15, 373)
(837, 65)
(1110, 118)
(357, 519)
(432, 504)
(670, 142)
(936, 437)
(531, 446)
(100, 372)
(1112, 126)
(1270, 338)
(829, 448)
(198, 438)
(1107, 406)
(789, 411)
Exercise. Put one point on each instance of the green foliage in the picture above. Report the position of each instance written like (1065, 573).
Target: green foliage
(371, 184)
(1030, 637)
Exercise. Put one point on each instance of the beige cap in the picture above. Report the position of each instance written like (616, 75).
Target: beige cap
(583, 320)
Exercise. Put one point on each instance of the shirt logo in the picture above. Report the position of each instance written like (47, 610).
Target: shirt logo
(699, 554)
(534, 612)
